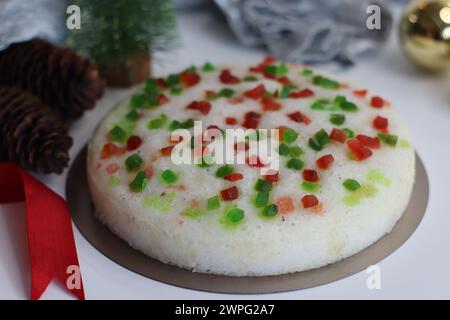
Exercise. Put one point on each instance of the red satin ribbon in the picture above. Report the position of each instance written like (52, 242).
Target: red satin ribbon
(51, 244)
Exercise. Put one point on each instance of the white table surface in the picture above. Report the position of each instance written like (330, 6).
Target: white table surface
(419, 269)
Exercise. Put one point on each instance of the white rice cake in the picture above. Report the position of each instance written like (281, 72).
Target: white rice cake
(167, 216)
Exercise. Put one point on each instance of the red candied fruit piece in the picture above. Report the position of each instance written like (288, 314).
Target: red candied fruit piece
(251, 120)
(358, 150)
(325, 161)
(241, 146)
(310, 175)
(360, 93)
(229, 194)
(189, 78)
(236, 100)
(281, 130)
(109, 149)
(234, 177)
(162, 99)
(309, 201)
(260, 68)
(285, 205)
(255, 93)
(254, 162)
(377, 102)
(166, 151)
(112, 168)
(202, 106)
(370, 142)
(228, 78)
(338, 135)
(231, 121)
(273, 178)
(149, 172)
(305, 93)
(284, 80)
(133, 143)
(161, 82)
(210, 93)
(269, 104)
(380, 123)
(299, 117)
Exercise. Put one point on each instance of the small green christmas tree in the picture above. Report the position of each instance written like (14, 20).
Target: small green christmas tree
(121, 34)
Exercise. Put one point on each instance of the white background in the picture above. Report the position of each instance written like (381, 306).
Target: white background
(419, 269)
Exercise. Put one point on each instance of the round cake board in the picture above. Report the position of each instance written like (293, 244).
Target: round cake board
(114, 248)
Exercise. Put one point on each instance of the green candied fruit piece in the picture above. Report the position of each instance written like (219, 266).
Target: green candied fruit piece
(151, 85)
(295, 164)
(283, 150)
(281, 70)
(223, 171)
(314, 145)
(262, 199)
(134, 162)
(307, 73)
(118, 134)
(173, 80)
(325, 82)
(250, 78)
(285, 92)
(139, 182)
(235, 215)
(226, 92)
(208, 67)
(263, 185)
(175, 124)
(161, 203)
(113, 181)
(207, 161)
(138, 101)
(290, 135)
(404, 143)
(193, 213)
(169, 177)
(270, 211)
(157, 123)
(187, 124)
(389, 139)
(132, 115)
(339, 100)
(352, 200)
(320, 104)
(344, 104)
(322, 137)
(349, 106)
(176, 91)
(351, 184)
(213, 203)
(349, 132)
(272, 69)
(337, 119)
(377, 176)
(312, 187)
(296, 151)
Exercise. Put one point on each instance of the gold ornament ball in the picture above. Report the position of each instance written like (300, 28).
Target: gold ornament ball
(425, 33)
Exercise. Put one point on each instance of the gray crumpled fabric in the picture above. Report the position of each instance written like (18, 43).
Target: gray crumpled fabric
(308, 31)
(21, 20)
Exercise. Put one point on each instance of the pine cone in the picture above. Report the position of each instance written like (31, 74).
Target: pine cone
(58, 76)
(31, 133)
